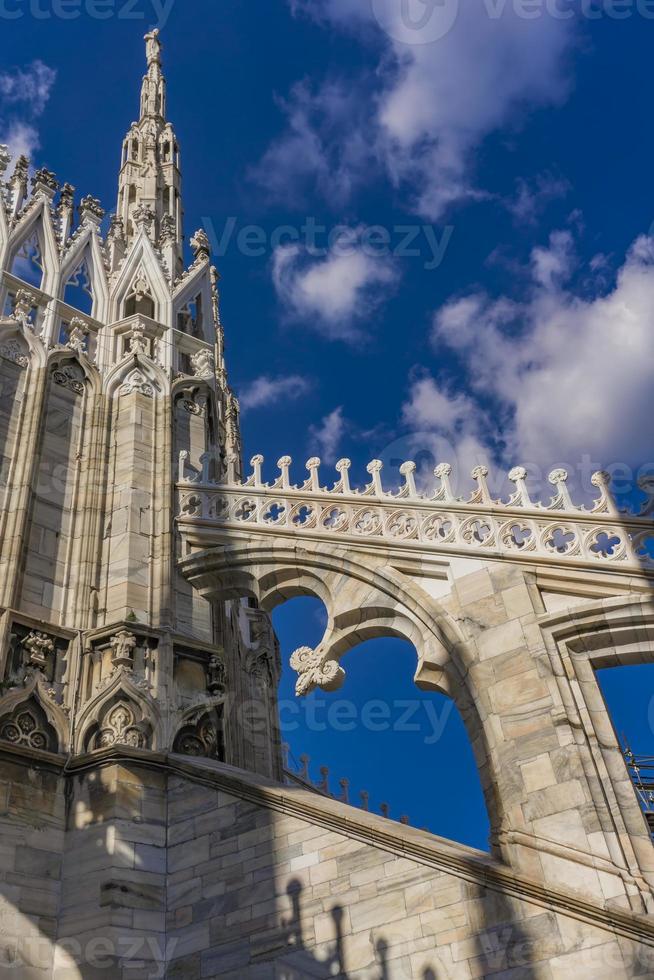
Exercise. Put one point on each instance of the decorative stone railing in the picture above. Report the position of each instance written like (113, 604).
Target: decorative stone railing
(515, 529)
(300, 775)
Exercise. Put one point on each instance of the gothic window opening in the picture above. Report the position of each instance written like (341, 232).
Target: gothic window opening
(28, 261)
(202, 735)
(78, 291)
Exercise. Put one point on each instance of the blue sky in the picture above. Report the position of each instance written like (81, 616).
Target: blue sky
(515, 152)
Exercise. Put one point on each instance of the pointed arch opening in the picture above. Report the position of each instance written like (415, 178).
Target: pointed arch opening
(78, 290)
(389, 747)
(28, 262)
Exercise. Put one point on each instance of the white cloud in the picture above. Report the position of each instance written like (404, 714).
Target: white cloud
(330, 293)
(554, 377)
(24, 94)
(265, 390)
(428, 106)
(329, 434)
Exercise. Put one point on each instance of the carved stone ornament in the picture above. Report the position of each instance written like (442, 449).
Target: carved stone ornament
(38, 646)
(11, 350)
(122, 649)
(315, 669)
(46, 179)
(5, 158)
(77, 334)
(137, 340)
(204, 364)
(71, 377)
(24, 303)
(24, 729)
(137, 381)
(92, 208)
(119, 728)
(201, 245)
(143, 216)
(200, 737)
(168, 233)
(216, 676)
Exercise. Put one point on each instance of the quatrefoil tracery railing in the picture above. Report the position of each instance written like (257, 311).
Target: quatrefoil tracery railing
(518, 528)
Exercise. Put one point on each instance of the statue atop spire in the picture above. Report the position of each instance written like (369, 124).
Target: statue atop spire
(153, 47)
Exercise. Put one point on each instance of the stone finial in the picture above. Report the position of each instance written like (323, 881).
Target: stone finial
(90, 209)
(480, 475)
(5, 158)
(21, 170)
(443, 472)
(76, 335)
(605, 504)
(518, 475)
(313, 466)
(66, 197)
(284, 465)
(343, 468)
(408, 471)
(256, 463)
(204, 364)
(558, 479)
(44, 181)
(200, 244)
(374, 468)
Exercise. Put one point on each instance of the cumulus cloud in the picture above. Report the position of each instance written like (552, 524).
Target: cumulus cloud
(24, 94)
(329, 434)
(331, 293)
(264, 391)
(554, 377)
(427, 107)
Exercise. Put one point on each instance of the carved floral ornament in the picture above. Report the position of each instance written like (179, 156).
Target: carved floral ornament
(12, 350)
(70, 376)
(136, 381)
(23, 729)
(119, 727)
(315, 669)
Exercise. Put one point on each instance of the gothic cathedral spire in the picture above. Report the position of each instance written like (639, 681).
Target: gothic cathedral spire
(149, 187)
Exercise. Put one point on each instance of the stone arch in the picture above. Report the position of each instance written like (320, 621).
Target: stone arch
(36, 222)
(86, 251)
(31, 718)
(363, 600)
(122, 714)
(139, 373)
(142, 263)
